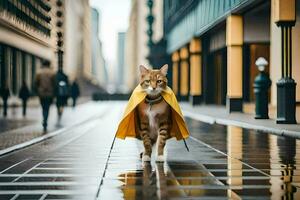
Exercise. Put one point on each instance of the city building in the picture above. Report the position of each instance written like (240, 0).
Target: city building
(99, 72)
(77, 39)
(33, 31)
(136, 43)
(25, 40)
(121, 87)
(214, 46)
(137, 40)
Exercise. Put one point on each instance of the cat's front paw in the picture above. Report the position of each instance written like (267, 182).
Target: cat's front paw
(146, 158)
(160, 158)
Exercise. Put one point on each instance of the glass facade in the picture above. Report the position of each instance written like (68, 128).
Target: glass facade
(184, 20)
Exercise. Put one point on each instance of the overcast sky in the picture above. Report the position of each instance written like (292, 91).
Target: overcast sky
(114, 17)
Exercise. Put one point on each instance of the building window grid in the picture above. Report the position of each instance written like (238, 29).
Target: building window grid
(25, 11)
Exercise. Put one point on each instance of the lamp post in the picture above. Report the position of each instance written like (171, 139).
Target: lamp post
(59, 34)
(285, 18)
(150, 20)
(261, 86)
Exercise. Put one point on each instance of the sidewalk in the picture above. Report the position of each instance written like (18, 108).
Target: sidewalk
(18, 131)
(249, 108)
(14, 118)
(219, 115)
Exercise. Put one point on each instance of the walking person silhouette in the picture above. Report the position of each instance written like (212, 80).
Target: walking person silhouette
(45, 85)
(24, 95)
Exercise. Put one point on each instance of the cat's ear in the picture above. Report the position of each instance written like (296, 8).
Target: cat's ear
(143, 70)
(164, 69)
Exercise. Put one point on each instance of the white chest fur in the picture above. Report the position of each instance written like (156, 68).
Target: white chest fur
(152, 112)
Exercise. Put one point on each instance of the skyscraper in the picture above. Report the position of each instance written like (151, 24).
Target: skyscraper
(121, 62)
(99, 71)
(78, 55)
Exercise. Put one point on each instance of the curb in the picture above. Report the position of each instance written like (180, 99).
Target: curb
(199, 117)
(222, 121)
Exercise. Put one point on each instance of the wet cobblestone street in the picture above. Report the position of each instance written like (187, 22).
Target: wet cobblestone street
(85, 162)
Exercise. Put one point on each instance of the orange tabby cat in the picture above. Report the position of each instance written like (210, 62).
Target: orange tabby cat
(153, 114)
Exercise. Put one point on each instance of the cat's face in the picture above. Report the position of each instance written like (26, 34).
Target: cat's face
(153, 81)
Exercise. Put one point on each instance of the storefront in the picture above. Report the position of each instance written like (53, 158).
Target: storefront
(17, 66)
(215, 67)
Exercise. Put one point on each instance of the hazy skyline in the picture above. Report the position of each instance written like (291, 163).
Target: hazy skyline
(114, 17)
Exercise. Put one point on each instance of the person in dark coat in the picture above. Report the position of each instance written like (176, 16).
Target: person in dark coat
(75, 92)
(5, 93)
(61, 91)
(24, 94)
(45, 86)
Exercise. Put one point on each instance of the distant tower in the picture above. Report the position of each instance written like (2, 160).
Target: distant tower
(121, 62)
(96, 29)
(99, 71)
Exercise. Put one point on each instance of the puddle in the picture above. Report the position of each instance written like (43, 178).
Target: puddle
(160, 181)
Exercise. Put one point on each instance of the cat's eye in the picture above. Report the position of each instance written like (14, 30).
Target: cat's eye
(159, 81)
(147, 81)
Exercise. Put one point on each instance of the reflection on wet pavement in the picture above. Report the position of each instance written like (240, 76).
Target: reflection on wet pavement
(276, 157)
(224, 162)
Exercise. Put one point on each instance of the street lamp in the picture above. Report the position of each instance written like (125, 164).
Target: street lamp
(261, 87)
(59, 26)
(285, 18)
(150, 20)
(261, 64)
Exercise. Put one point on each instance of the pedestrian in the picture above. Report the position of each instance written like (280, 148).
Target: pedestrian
(5, 93)
(45, 86)
(75, 92)
(24, 94)
(61, 91)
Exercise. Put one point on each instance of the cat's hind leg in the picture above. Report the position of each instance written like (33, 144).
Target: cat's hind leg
(146, 157)
(161, 142)
(160, 149)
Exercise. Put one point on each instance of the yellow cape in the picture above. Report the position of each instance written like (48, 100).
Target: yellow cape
(127, 125)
